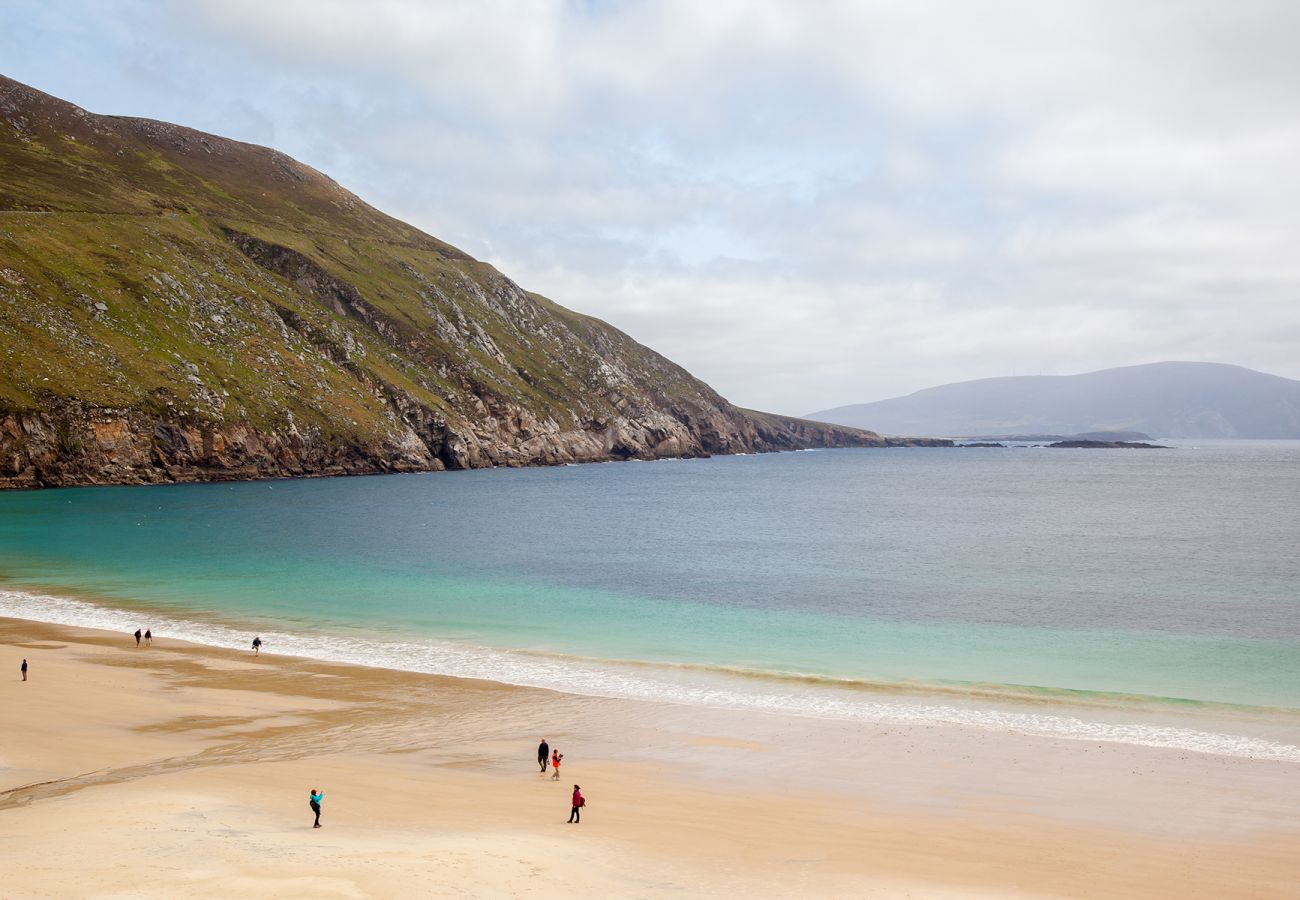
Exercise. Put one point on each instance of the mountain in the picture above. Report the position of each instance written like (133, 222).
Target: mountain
(1167, 399)
(179, 306)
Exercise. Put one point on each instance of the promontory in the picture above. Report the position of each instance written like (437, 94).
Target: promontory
(177, 306)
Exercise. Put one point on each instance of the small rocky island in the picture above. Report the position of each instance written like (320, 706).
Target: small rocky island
(1108, 445)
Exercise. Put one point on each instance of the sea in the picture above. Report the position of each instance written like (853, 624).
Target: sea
(1094, 594)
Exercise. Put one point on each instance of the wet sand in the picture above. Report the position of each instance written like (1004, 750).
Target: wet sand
(183, 771)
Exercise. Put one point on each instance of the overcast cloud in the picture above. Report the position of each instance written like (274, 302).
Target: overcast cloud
(805, 204)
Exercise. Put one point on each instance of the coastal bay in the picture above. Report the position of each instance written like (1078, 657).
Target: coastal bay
(849, 673)
(398, 397)
(1168, 577)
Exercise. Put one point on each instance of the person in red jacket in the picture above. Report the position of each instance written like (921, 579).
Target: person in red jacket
(556, 756)
(579, 801)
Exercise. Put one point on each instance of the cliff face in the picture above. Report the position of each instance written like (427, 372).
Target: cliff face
(179, 306)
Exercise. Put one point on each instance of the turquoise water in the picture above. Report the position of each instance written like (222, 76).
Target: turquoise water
(1167, 574)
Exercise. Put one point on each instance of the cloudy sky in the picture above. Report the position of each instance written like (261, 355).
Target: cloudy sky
(806, 204)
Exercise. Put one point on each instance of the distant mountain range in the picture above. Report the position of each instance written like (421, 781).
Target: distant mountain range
(1166, 399)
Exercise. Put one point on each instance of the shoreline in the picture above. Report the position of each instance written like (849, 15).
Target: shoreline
(203, 475)
(190, 761)
(232, 476)
(1192, 726)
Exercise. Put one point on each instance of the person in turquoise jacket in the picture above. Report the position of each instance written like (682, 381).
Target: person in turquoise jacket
(314, 801)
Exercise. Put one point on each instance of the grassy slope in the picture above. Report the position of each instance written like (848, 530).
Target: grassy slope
(126, 280)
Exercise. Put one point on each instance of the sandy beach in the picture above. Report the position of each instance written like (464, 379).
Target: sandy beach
(183, 771)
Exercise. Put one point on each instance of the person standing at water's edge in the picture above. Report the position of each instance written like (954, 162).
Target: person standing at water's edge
(23, 669)
(257, 645)
(543, 754)
(579, 801)
(148, 637)
(137, 637)
(313, 801)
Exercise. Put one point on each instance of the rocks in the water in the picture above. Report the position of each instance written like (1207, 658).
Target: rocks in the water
(1108, 445)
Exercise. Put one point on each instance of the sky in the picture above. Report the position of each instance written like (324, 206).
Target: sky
(806, 204)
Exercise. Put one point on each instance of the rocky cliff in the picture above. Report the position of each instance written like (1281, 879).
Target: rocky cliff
(179, 306)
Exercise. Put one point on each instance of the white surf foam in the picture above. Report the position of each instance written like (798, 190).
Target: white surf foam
(638, 682)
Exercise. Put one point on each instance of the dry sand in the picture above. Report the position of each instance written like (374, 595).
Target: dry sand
(183, 771)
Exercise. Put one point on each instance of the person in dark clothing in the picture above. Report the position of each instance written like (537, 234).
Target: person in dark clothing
(543, 755)
(257, 645)
(313, 801)
(137, 637)
(148, 637)
(23, 667)
(579, 801)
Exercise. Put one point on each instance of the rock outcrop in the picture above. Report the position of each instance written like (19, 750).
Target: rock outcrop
(1106, 445)
(177, 306)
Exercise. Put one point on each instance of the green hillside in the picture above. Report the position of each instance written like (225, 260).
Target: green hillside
(176, 305)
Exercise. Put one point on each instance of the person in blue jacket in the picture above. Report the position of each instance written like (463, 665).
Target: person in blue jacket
(314, 801)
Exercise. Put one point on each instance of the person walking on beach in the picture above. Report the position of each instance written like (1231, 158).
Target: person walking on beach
(579, 801)
(23, 669)
(556, 756)
(543, 754)
(137, 637)
(148, 637)
(257, 645)
(313, 801)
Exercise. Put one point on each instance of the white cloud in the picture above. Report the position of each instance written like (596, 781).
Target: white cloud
(805, 204)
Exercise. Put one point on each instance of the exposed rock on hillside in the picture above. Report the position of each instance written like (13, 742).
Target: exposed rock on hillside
(179, 306)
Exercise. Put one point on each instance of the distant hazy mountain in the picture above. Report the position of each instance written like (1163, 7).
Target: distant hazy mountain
(1167, 399)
